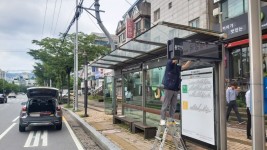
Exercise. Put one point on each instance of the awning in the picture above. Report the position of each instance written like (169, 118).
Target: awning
(150, 42)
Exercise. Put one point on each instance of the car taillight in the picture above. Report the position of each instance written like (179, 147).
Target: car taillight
(58, 108)
(24, 108)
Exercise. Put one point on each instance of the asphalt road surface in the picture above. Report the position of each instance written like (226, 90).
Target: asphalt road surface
(34, 137)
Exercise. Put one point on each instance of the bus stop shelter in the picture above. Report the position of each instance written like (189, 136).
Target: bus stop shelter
(139, 66)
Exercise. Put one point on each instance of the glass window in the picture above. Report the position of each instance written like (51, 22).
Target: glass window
(156, 15)
(233, 8)
(138, 28)
(236, 63)
(194, 23)
(170, 5)
(154, 88)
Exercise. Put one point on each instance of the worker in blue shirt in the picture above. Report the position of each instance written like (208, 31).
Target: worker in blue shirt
(171, 82)
(231, 95)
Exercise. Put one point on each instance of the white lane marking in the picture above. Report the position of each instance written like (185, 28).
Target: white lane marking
(15, 119)
(44, 138)
(75, 139)
(5, 132)
(36, 138)
(29, 139)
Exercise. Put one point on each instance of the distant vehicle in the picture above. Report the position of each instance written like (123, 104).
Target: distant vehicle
(41, 109)
(12, 95)
(3, 98)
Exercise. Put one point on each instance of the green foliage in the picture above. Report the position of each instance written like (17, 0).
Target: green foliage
(54, 57)
(95, 97)
(10, 87)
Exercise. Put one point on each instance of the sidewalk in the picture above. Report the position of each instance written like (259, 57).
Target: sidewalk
(123, 138)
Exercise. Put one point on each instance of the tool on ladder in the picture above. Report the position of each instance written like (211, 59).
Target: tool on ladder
(173, 128)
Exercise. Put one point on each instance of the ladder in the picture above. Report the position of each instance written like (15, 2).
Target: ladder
(173, 128)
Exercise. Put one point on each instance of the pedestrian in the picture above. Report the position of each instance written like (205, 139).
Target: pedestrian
(128, 95)
(171, 82)
(248, 102)
(231, 95)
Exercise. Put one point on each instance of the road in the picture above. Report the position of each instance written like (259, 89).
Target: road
(34, 137)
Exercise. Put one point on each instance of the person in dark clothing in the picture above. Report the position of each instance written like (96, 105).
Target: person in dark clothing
(248, 102)
(171, 82)
(231, 94)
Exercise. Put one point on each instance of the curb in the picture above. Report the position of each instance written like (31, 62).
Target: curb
(100, 139)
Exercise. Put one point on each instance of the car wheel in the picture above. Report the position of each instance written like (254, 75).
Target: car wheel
(59, 127)
(21, 128)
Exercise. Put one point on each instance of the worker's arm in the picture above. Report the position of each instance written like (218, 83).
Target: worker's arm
(186, 65)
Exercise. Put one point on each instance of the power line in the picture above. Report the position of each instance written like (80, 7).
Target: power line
(94, 23)
(58, 16)
(44, 18)
(128, 2)
(53, 17)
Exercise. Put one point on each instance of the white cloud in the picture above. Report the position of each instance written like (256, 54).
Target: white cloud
(22, 21)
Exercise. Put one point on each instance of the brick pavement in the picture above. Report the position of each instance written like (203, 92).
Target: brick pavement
(121, 136)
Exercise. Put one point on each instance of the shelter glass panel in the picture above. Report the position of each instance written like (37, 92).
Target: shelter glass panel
(108, 94)
(134, 114)
(133, 88)
(106, 62)
(132, 45)
(124, 53)
(154, 87)
(161, 34)
(114, 58)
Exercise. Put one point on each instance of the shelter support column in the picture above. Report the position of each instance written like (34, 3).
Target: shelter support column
(256, 74)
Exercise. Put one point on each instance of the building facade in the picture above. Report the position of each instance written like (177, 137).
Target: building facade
(235, 24)
(195, 13)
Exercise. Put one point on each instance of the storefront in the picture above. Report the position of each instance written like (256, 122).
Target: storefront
(237, 48)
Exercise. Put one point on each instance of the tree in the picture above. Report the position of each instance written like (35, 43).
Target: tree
(55, 57)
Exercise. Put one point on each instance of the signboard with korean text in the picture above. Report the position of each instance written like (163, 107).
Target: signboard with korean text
(197, 105)
(238, 26)
(130, 28)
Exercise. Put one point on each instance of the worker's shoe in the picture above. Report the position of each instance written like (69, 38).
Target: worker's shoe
(162, 122)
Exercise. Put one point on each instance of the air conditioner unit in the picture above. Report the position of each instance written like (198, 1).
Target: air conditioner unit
(216, 12)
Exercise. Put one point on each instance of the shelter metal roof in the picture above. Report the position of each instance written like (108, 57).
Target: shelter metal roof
(152, 40)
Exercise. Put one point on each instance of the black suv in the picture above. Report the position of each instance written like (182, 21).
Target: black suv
(3, 98)
(41, 109)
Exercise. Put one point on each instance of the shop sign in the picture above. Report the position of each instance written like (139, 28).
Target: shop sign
(238, 26)
(130, 28)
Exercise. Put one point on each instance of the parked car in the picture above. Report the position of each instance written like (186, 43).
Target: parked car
(3, 98)
(12, 95)
(41, 109)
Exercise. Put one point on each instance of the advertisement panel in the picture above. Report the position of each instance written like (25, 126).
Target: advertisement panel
(197, 104)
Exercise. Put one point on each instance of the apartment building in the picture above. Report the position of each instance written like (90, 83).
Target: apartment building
(195, 13)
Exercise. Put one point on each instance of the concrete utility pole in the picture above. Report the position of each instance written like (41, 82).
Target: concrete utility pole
(85, 84)
(76, 63)
(222, 102)
(97, 15)
(256, 74)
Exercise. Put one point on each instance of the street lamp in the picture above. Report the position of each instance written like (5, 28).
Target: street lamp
(85, 84)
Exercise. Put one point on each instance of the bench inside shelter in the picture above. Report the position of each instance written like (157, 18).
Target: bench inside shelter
(123, 119)
(149, 131)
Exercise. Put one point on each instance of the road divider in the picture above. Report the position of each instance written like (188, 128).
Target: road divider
(15, 119)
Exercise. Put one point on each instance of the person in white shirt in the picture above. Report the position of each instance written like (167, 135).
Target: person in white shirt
(231, 95)
(248, 102)
(128, 96)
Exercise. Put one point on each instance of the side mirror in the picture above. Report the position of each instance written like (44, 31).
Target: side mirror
(23, 103)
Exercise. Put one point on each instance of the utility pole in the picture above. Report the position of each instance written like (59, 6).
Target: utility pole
(85, 84)
(256, 74)
(76, 62)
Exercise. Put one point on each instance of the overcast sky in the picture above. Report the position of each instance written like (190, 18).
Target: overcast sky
(24, 20)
